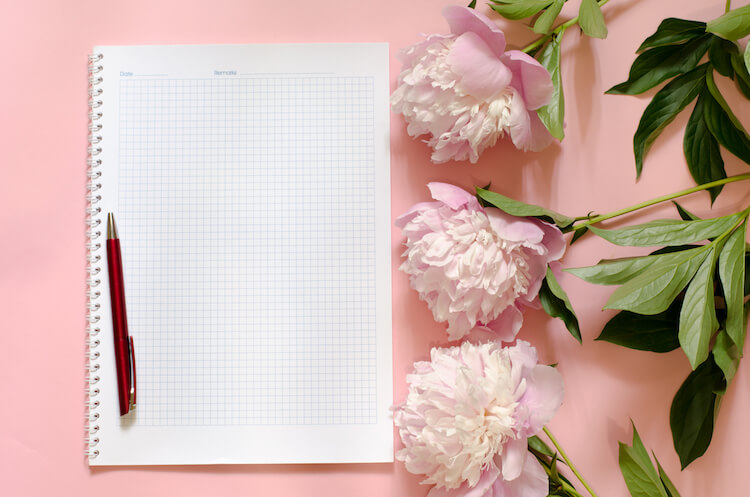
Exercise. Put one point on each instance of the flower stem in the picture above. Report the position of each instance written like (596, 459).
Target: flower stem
(567, 461)
(562, 27)
(663, 198)
(728, 7)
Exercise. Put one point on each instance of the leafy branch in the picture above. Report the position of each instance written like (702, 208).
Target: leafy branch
(690, 293)
(674, 53)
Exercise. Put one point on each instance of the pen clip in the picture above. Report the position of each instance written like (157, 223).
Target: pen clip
(131, 356)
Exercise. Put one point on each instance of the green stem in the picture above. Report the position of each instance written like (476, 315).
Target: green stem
(568, 462)
(562, 27)
(663, 198)
(728, 7)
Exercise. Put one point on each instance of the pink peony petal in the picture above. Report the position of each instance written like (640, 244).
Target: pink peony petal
(513, 458)
(543, 397)
(530, 78)
(514, 229)
(553, 240)
(484, 484)
(524, 356)
(507, 324)
(464, 19)
(526, 129)
(407, 216)
(482, 74)
(409, 54)
(452, 196)
(537, 270)
(532, 482)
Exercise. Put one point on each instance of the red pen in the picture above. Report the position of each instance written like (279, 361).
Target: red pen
(124, 352)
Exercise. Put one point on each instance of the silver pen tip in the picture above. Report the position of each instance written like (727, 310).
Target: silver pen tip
(111, 227)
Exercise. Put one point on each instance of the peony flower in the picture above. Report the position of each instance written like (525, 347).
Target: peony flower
(473, 265)
(468, 415)
(465, 91)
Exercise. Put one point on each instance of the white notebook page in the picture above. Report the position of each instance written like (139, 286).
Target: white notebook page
(250, 185)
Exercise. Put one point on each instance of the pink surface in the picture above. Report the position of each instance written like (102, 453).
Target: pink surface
(42, 291)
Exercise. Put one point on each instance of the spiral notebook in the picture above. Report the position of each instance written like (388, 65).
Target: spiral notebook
(251, 188)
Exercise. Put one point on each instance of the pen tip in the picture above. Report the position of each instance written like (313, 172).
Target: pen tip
(111, 227)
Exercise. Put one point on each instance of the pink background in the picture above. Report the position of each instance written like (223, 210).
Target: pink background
(42, 257)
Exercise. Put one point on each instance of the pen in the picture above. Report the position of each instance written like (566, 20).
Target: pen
(124, 352)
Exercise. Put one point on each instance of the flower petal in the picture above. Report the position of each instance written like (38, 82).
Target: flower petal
(532, 482)
(526, 129)
(513, 458)
(543, 397)
(507, 324)
(484, 484)
(530, 78)
(463, 19)
(409, 54)
(482, 74)
(514, 229)
(407, 216)
(452, 196)
(553, 240)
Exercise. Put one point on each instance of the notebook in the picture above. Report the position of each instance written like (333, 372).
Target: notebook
(250, 186)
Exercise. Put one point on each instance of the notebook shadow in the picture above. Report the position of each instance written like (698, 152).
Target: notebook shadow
(257, 469)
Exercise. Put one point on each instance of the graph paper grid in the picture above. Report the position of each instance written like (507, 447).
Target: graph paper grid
(246, 210)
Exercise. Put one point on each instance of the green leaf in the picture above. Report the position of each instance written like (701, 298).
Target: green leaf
(516, 208)
(720, 54)
(685, 214)
(661, 63)
(702, 150)
(672, 31)
(518, 9)
(671, 489)
(545, 21)
(723, 124)
(640, 449)
(556, 303)
(733, 25)
(578, 234)
(537, 444)
(635, 474)
(554, 474)
(667, 232)
(692, 414)
(591, 20)
(698, 315)
(638, 471)
(676, 248)
(746, 291)
(620, 271)
(726, 354)
(657, 333)
(473, 4)
(552, 115)
(654, 291)
(742, 72)
(747, 57)
(732, 274)
(663, 108)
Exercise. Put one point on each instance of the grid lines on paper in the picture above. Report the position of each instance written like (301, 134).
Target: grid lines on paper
(246, 214)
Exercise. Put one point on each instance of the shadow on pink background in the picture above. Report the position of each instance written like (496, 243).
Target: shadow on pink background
(43, 133)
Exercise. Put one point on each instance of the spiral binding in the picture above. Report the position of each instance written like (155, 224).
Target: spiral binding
(93, 235)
